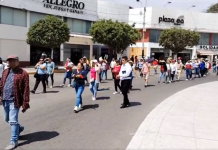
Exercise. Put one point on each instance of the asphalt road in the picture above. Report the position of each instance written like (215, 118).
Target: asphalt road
(51, 123)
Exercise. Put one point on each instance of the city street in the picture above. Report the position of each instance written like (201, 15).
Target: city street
(51, 123)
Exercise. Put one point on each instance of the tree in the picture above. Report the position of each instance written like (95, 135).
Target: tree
(177, 39)
(116, 35)
(212, 9)
(50, 32)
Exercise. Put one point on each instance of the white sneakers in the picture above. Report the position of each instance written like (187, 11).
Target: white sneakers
(117, 93)
(77, 109)
(93, 98)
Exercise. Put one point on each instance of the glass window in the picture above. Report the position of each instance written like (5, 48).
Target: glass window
(20, 18)
(6, 15)
(205, 38)
(13, 16)
(154, 36)
(34, 17)
(79, 26)
(215, 39)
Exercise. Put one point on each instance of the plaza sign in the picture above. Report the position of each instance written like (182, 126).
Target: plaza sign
(208, 47)
(177, 21)
(71, 6)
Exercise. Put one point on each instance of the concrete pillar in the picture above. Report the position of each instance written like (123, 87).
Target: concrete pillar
(194, 52)
(91, 51)
(148, 51)
(61, 54)
(170, 54)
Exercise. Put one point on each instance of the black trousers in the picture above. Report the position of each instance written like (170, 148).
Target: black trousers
(202, 71)
(52, 79)
(41, 78)
(117, 84)
(125, 84)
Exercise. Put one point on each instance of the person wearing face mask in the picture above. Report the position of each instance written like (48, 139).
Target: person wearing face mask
(40, 75)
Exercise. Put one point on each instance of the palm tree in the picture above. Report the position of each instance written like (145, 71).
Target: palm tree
(212, 9)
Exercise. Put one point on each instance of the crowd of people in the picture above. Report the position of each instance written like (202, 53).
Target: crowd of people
(14, 84)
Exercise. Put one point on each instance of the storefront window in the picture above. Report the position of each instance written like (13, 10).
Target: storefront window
(79, 26)
(13, 16)
(215, 39)
(154, 36)
(205, 38)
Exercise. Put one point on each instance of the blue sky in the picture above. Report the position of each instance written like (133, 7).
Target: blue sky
(201, 5)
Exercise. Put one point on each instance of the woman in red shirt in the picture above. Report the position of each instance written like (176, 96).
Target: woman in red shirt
(155, 64)
(116, 71)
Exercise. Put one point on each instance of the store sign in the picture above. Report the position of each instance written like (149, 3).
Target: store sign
(178, 21)
(208, 47)
(71, 6)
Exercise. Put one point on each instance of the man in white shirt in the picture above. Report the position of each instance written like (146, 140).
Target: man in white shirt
(125, 76)
(113, 63)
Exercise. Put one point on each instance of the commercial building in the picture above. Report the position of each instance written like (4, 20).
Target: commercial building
(16, 17)
(159, 19)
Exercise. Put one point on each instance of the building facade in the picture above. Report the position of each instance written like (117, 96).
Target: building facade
(17, 16)
(159, 19)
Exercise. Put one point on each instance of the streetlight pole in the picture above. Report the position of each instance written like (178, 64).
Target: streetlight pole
(143, 30)
(191, 7)
(167, 3)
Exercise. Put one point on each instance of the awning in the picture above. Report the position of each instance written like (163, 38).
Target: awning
(207, 52)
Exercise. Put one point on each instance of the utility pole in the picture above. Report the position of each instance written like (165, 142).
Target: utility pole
(143, 34)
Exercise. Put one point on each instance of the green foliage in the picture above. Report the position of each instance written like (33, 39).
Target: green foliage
(178, 39)
(116, 35)
(50, 32)
(213, 8)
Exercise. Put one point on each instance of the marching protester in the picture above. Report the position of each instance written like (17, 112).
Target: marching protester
(125, 76)
(50, 72)
(188, 68)
(13, 97)
(155, 65)
(136, 66)
(131, 64)
(173, 69)
(202, 68)
(68, 73)
(100, 72)
(86, 66)
(168, 73)
(163, 70)
(145, 71)
(207, 66)
(179, 69)
(2, 67)
(196, 68)
(104, 68)
(112, 64)
(40, 75)
(141, 62)
(79, 76)
(94, 79)
(116, 71)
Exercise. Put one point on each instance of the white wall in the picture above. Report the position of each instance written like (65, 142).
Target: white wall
(202, 22)
(114, 11)
(90, 10)
(13, 41)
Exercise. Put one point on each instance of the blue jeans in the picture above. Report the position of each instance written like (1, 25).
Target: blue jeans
(69, 76)
(79, 90)
(214, 69)
(93, 88)
(11, 117)
(197, 72)
(102, 74)
(188, 73)
(163, 75)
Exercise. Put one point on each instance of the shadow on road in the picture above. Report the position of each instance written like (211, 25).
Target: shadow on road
(132, 104)
(104, 82)
(93, 106)
(135, 89)
(57, 86)
(150, 85)
(103, 98)
(52, 91)
(104, 89)
(38, 136)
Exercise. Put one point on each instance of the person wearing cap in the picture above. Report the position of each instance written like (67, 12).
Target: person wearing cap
(145, 71)
(94, 79)
(14, 93)
(188, 68)
(163, 70)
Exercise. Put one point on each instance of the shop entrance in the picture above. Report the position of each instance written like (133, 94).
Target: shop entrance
(76, 55)
(158, 55)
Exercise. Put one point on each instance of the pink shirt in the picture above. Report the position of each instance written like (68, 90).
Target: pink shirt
(146, 68)
(93, 73)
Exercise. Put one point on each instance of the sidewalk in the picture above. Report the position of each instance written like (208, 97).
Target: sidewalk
(186, 120)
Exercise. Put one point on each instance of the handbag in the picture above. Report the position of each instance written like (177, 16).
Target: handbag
(36, 75)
